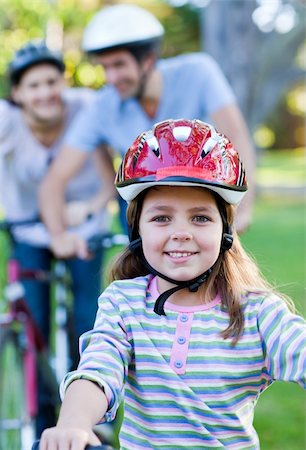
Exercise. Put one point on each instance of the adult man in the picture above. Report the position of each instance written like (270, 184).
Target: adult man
(33, 124)
(140, 91)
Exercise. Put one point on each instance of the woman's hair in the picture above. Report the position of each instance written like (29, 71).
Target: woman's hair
(234, 274)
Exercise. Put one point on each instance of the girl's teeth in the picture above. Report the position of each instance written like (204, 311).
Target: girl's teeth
(179, 254)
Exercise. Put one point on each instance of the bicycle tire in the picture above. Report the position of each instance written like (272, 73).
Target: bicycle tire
(16, 427)
(61, 355)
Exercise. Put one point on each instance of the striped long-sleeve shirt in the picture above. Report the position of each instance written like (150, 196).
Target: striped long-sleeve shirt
(183, 385)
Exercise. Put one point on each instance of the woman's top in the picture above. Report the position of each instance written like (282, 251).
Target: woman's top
(183, 385)
(24, 162)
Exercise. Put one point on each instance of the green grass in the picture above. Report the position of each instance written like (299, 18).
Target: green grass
(283, 168)
(277, 240)
(280, 418)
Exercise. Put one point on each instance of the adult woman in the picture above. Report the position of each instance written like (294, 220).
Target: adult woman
(33, 123)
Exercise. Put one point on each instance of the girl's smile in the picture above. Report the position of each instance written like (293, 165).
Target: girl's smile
(181, 230)
(180, 255)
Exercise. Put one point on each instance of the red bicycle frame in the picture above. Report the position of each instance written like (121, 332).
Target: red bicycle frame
(19, 312)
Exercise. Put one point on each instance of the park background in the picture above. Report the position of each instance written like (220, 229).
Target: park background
(261, 47)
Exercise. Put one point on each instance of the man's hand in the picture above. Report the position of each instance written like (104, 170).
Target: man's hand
(67, 245)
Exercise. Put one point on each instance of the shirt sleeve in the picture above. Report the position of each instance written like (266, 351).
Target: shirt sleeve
(217, 92)
(105, 353)
(86, 131)
(284, 341)
(7, 134)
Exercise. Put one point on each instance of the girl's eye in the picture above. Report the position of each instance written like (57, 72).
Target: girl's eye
(160, 219)
(201, 219)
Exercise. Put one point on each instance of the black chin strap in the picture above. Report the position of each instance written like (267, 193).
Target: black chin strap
(193, 285)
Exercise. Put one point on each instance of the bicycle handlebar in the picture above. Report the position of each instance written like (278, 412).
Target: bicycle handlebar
(94, 243)
(106, 240)
(88, 447)
(7, 225)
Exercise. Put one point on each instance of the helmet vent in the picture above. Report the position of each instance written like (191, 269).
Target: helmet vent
(208, 146)
(153, 144)
(181, 134)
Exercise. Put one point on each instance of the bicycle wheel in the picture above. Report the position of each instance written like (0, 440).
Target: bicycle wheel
(16, 427)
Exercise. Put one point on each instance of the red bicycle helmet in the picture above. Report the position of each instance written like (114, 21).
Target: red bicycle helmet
(182, 153)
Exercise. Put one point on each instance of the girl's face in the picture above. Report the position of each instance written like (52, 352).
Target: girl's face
(181, 230)
(39, 93)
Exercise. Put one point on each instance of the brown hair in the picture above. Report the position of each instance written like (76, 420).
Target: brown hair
(234, 274)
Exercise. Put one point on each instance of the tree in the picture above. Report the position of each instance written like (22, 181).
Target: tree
(261, 67)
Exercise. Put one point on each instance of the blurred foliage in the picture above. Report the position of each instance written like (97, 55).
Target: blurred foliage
(62, 22)
(288, 119)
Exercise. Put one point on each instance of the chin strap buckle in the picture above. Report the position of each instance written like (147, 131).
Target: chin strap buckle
(193, 287)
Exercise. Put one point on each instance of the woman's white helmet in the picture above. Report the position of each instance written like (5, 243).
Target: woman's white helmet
(119, 26)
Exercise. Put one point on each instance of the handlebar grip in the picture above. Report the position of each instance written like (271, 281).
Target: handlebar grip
(88, 447)
(106, 240)
(8, 224)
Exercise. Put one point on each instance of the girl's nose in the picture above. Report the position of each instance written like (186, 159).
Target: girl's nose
(181, 235)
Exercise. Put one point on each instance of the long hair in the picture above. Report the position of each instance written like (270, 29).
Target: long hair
(234, 274)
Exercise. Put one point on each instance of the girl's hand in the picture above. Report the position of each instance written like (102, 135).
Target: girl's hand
(67, 438)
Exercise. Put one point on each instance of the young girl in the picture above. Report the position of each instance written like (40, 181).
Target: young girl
(189, 334)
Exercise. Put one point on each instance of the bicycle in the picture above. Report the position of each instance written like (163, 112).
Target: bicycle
(22, 348)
